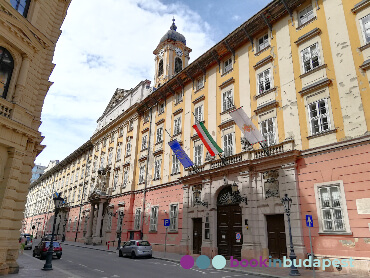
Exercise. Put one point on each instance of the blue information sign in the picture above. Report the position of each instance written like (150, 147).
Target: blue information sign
(309, 221)
(167, 222)
(180, 153)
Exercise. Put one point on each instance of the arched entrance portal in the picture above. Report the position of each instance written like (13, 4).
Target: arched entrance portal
(229, 221)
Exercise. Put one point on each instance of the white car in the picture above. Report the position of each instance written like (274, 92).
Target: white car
(136, 248)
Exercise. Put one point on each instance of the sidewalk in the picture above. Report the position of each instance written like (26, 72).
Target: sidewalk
(265, 272)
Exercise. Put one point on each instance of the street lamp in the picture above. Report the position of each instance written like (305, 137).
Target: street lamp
(58, 201)
(236, 194)
(287, 202)
(197, 200)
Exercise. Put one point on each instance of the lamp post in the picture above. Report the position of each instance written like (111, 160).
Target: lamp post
(287, 202)
(49, 257)
(197, 200)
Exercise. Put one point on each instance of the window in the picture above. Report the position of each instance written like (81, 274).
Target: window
(161, 108)
(178, 65)
(104, 142)
(228, 65)
(111, 138)
(177, 126)
(159, 134)
(74, 225)
(131, 125)
(207, 234)
(228, 144)
(365, 25)
(160, 68)
(175, 164)
(120, 221)
(154, 219)
(21, 6)
(173, 217)
(319, 116)
(263, 42)
(141, 174)
(6, 70)
(305, 15)
(198, 113)
(330, 203)
(143, 142)
(200, 82)
(82, 173)
(310, 57)
(120, 131)
(178, 97)
(263, 80)
(146, 117)
(198, 153)
(69, 224)
(268, 131)
(102, 160)
(137, 219)
(115, 181)
(157, 169)
(125, 178)
(119, 153)
(227, 100)
(128, 148)
(110, 157)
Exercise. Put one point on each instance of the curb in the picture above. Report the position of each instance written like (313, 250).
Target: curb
(87, 247)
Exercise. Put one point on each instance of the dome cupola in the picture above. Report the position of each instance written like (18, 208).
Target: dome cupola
(173, 35)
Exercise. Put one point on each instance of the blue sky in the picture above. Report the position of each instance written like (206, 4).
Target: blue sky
(109, 44)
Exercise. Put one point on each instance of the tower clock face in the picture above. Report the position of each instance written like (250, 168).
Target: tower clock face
(178, 51)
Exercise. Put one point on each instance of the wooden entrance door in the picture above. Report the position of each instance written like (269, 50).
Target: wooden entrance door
(276, 236)
(197, 235)
(229, 224)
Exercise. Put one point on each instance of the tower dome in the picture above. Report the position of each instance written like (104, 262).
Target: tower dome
(173, 35)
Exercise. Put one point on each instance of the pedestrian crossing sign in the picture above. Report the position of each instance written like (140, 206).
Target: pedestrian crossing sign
(309, 221)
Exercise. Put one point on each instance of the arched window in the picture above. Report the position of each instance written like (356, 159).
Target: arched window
(6, 69)
(178, 65)
(160, 68)
(21, 6)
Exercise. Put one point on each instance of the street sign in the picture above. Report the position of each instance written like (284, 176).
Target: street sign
(167, 222)
(238, 236)
(309, 221)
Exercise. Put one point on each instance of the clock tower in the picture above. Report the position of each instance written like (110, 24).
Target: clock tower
(171, 56)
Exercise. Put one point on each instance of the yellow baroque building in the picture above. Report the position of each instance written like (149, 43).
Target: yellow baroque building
(300, 70)
(29, 31)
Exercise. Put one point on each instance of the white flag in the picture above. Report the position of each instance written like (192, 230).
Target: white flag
(245, 124)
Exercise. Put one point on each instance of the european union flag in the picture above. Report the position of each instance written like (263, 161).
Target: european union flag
(180, 153)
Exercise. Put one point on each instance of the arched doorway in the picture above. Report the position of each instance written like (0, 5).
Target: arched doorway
(229, 225)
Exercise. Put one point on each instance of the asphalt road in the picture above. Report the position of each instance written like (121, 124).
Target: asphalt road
(82, 262)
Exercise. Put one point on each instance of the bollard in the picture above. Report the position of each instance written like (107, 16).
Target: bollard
(108, 244)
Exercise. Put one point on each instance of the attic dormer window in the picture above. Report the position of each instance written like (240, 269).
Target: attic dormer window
(178, 65)
(160, 68)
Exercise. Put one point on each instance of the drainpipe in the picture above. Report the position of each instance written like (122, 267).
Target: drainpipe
(146, 176)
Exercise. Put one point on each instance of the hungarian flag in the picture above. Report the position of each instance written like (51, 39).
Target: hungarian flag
(207, 140)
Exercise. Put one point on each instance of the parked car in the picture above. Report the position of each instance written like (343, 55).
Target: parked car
(47, 237)
(27, 242)
(136, 248)
(42, 248)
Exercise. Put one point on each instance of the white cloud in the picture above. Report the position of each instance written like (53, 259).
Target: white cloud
(106, 45)
(236, 17)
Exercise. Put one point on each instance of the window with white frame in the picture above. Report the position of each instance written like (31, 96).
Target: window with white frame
(111, 138)
(198, 153)
(143, 142)
(310, 57)
(82, 173)
(141, 174)
(157, 168)
(198, 112)
(102, 159)
(200, 82)
(161, 108)
(125, 178)
(146, 117)
(131, 125)
(178, 97)
(174, 210)
(159, 134)
(115, 181)
(268, 131)
(175, 164)
(137, 219)
(365, 25)
(227, 100)
(331, 208)
(228, 65)
(69, 224)
(119, 149)
(120, 220)
(177, 126)
(264, 81)
(110, 157)
(128, 148)
(263, 42)
(154, 219)
(305, 15)
(228, 144)
(120, 131)
(76, 177)
(319, 116)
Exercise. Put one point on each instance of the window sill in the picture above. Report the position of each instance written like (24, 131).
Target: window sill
(227, 111)
(153, 232)
(156, 179)
(226, 72)
(305, 24)
(366, 46)
(313, 70)
(262, 50)
(266, 92)
(127, 155)
(177, 134)
(178, 102)
(158, 143)
(175, 174)
(322, 133)
(335, 233)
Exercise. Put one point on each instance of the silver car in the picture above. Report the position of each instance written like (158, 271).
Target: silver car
(136, 248)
